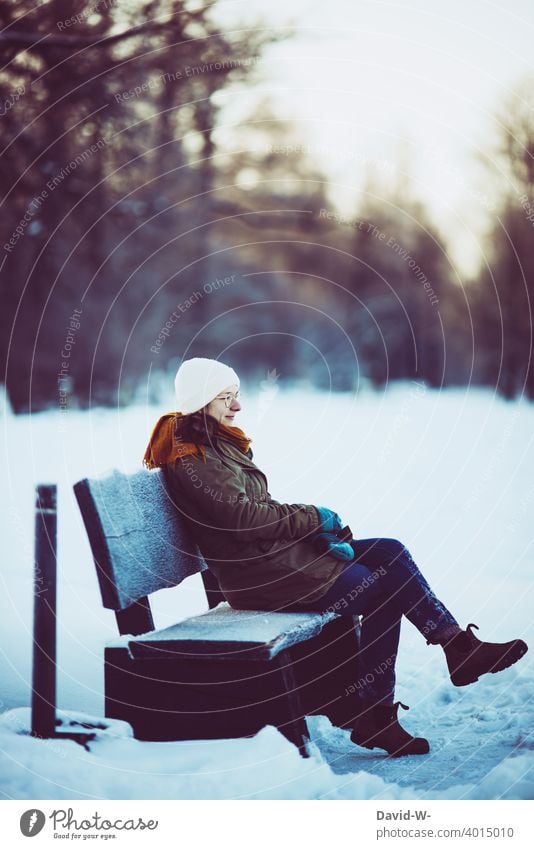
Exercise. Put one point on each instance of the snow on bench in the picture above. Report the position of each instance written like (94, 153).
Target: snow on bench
(234, 634)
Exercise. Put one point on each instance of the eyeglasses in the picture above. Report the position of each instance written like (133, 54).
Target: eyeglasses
(229, 398)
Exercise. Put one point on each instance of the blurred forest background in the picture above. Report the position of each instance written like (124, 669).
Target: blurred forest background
(132, 237)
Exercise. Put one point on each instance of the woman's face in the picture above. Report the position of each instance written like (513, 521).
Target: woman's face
(218, 409)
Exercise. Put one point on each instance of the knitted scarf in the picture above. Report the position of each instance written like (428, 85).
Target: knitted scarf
(164, 447)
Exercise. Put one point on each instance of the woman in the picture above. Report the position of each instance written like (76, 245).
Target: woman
(272, 556)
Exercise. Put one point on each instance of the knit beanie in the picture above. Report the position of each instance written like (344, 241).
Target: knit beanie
(199, 380)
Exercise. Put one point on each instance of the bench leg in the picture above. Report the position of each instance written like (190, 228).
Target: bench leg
(293, 725)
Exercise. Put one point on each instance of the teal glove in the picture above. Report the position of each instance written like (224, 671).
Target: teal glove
(330, 521)
(331, 544)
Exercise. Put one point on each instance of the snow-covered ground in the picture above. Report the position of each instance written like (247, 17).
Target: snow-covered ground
(449, 473)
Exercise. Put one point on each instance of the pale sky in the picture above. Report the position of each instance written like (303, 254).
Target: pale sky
(363, 78)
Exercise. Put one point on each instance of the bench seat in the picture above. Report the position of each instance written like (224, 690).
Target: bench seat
(230, 634)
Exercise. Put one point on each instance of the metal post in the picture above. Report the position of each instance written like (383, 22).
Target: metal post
(44, 613)
(44, 722)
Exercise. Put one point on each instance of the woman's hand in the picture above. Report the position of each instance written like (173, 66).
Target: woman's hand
(330, 521)
(330, 543)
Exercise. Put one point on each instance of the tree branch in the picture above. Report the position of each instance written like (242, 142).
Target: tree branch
(36, 40)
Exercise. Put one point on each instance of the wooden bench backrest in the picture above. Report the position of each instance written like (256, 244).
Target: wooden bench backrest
(139, 541)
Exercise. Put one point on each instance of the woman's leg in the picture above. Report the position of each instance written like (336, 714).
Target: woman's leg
(356, 592)
(381, 585)
(397, 588)
(401, 581)
(379, 644)
(369, 590)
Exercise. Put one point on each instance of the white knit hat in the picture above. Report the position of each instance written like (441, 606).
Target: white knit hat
(199, 381)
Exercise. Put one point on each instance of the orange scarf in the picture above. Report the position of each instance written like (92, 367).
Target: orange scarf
(163, 446)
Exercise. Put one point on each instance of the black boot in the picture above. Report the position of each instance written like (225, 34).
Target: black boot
(378, 726)
(468, 657)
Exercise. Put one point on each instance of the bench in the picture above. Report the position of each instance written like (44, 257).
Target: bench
(225, 673)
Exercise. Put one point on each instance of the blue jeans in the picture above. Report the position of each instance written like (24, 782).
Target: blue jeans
(381, 585)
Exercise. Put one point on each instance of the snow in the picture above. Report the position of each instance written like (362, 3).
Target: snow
(267, 766)
(138, 534)
(226, 627)
(448, 473)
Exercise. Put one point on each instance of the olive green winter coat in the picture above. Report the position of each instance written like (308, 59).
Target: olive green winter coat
(259, 549)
